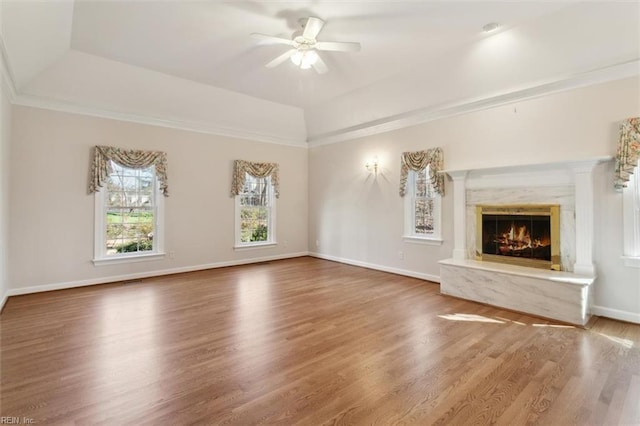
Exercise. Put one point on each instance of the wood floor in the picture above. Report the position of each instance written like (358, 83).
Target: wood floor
(305, 341)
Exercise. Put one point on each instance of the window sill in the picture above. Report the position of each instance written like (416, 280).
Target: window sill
(255, 245)
(422, 240)
(631, 261)
(114, 260)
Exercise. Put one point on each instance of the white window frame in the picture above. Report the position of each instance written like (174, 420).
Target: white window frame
(100, 227)
(631, 220)
(410, 235)
(239, 245)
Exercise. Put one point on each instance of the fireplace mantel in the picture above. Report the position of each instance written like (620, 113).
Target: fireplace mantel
(522, 175)
(578, 174)
(575, 177)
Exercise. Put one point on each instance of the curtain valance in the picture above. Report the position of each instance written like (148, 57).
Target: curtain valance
(132, 158)
(259, 170)
(418, 161)
(628, 151)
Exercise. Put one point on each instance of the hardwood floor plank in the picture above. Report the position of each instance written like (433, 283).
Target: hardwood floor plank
(305, 341)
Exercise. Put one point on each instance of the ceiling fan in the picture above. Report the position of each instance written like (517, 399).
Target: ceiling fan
(305, 46)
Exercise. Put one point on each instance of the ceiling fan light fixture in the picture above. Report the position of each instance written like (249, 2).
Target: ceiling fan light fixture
(296, 58)
(304, 58)
(305, 46)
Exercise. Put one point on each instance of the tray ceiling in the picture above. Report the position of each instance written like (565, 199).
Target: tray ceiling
(195, 62)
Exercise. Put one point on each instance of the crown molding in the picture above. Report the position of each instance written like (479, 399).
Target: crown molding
(169, 122)
(34, 101)
(395, 122)
(423, 115)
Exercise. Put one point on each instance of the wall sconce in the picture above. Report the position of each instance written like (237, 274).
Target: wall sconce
(372, 165)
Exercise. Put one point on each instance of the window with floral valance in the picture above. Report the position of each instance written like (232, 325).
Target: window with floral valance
(255, 187)
(422, 188)
(627, 180)
(101, 166)
(258, 170)
(628, 151)
(129, 187)
(418, 161)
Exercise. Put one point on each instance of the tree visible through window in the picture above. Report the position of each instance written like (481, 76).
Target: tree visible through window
(130, 210)
(256, 211)
(424, 200)
(422, 209)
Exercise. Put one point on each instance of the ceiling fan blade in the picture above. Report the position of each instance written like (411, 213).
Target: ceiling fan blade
(280, 59)
(312, 27)
(320, 66)
(338, 46)
(267, 39)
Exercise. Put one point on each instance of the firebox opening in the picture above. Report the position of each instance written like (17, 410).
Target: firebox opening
(519, 234)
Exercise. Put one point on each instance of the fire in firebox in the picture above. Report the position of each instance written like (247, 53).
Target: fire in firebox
(517, 236)
(526, 235)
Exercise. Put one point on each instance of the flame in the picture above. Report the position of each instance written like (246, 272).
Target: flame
(518, 238)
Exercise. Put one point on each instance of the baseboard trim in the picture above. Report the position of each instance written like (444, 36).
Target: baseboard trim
(149, 274)
(397, 271)
(616, 314)
(595, 309)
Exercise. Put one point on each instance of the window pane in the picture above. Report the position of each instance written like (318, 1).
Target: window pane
(422, 205)
(254, 192)
(130, 210)
(254, 224)
(421, 183)
(255, 212)
(424, 216)
(423, 186)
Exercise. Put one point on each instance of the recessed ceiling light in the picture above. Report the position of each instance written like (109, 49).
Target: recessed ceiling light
(491, 26)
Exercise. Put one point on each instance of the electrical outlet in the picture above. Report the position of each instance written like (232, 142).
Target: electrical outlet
(172, 255)
(317, 243)
(400, 255)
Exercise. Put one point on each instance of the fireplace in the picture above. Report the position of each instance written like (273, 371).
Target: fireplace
(527, 235)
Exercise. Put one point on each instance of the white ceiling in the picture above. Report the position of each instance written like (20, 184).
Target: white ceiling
(193, 63)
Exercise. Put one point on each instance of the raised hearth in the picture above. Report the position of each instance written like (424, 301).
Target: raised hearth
(565, 295)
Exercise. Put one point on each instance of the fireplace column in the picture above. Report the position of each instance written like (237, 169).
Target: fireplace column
(583, 176)
(459, 214)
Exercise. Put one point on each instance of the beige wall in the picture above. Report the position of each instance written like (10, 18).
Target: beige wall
(5, 142)
(353, 215)
(52, 216)
(358, 217)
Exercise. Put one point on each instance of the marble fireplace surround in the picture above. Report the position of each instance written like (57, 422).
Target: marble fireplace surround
(561, 295)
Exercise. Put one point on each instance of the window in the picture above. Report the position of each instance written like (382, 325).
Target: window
(422, 209)
(255, 213)
(631, 219)
(128, 216)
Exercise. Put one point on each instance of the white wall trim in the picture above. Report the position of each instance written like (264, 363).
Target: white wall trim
(631, 261)
(548, 177)
(386, 124)
(405, 272)
(148, 274)
(560, 173)
(617, 314)
(438, 112)
(169, 122)
(595, 309)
